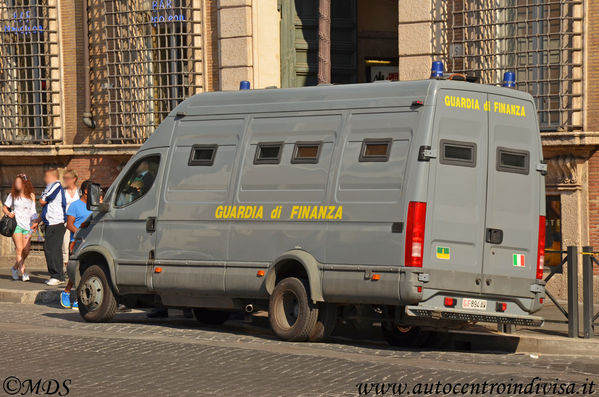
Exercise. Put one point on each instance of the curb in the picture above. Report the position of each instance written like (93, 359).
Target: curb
(29, 296)
(524, 344)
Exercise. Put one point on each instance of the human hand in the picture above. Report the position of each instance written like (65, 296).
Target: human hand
(11, 214)
(34, 227)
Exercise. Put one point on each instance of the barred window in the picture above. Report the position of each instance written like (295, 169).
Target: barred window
(540, 40)
(29, 74)
(154, 62)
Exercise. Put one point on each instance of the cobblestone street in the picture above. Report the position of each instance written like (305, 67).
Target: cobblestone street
(135, 356)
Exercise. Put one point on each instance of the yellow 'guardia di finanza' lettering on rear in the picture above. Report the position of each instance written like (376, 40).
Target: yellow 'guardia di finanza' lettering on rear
(461, 102)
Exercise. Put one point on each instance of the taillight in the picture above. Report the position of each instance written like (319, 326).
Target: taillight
(415, 233)
(541, 248)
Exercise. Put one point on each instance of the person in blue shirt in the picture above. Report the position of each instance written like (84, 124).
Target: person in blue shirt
(76, 215)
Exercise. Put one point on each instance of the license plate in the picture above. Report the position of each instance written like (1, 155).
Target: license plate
(476, 304)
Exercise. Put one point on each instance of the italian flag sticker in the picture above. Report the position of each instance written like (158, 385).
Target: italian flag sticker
(518, 260)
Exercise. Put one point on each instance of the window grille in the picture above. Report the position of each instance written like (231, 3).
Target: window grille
(154, 62)
(541, 41)
(29, 72)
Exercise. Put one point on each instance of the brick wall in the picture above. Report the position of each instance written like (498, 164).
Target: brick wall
(100, 169)
(73, 101)
(592, 68)
(593, 181)
(211, 48)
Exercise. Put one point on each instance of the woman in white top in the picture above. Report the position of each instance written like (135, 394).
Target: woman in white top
(20, 204)
(72, 194)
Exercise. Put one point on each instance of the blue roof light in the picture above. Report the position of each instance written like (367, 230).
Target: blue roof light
(244, 85)
(437, 69)
(509, 79)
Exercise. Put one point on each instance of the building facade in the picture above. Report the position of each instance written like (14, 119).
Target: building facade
(84, 83)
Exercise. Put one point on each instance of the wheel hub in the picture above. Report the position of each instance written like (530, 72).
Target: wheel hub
(93, 293)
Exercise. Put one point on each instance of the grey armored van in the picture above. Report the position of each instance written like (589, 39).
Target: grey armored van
(417, 204)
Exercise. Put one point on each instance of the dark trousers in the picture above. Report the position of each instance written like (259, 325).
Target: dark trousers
(53, 250)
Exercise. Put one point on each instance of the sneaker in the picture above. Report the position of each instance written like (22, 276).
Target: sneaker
(75, 306)
(65, 299)
(54, 281)
(15, 273)
(25, 277)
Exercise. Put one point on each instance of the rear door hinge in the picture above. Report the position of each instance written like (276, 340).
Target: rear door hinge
(426, 153)
(542, 168)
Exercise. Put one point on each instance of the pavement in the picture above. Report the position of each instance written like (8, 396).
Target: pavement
(548, 339)
(134, 356)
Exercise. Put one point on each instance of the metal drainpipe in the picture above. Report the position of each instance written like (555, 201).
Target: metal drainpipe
(88, 119)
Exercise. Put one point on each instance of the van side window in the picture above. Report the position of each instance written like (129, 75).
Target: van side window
(375, 150)
(202, 155)
(268, 153)
(458, 153)
(513, 160)
(306, 153)
(137, 181)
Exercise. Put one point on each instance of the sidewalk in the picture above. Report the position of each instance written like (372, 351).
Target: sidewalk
(551, 338)
(34, 291)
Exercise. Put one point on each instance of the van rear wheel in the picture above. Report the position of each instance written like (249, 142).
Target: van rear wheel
(211, 317)
(404, 336)
(97, 303)
(292, 315)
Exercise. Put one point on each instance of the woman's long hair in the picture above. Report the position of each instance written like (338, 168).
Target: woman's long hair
(27, 187)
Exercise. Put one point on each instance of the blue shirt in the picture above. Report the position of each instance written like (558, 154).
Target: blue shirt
(79, 211)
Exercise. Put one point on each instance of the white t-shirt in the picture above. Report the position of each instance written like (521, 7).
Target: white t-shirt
(24, 210)
(71, 199)
(53, 213)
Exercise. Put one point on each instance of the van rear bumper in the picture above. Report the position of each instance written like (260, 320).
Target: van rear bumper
(466, 315)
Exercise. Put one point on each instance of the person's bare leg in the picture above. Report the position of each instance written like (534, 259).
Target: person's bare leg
(26, 250)
(18, 240)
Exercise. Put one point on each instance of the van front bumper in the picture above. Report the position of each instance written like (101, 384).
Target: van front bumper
(469, 315)
(73, 271)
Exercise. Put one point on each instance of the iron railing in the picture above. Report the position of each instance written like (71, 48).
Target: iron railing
(540, 40)
(154, 61)
(29, 72)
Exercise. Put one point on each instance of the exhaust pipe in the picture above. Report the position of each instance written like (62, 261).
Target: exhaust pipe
(249, 308)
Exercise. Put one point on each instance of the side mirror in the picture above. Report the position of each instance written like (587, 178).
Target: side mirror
(93, 199)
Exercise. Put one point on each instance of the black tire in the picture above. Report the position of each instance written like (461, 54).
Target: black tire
(291, 313)
(97, 302)
(211, 317)
(325, 325)
(401, 336)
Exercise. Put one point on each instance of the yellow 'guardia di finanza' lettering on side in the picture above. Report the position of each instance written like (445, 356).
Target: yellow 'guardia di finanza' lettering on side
(319, 212)
(239, 212)
(298, 212)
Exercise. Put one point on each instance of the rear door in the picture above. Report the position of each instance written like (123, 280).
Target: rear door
(457, 192)
(514, 195)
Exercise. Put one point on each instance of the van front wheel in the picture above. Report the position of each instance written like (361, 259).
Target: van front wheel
(97, 303)
(292, 316)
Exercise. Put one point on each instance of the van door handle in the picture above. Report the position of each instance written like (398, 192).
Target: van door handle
(151, 224)
(494, 236)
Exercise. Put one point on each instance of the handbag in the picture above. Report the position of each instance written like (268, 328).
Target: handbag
(8, 225)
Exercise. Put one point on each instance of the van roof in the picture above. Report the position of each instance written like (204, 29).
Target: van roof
(377, 94)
